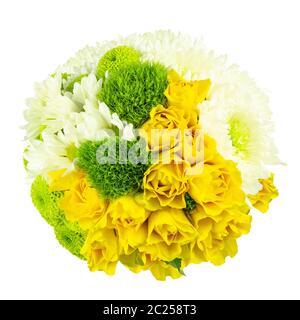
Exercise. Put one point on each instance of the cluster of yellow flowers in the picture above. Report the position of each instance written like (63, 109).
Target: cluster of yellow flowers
(153, 230)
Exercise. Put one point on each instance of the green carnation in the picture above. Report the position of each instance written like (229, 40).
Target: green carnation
(115, 58)
(134, 90)
(113, 173)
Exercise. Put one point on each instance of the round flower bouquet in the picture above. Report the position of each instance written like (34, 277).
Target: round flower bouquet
(149, 151)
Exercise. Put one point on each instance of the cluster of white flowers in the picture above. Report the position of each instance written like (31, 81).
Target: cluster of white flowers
(58, 122)
(235, 114)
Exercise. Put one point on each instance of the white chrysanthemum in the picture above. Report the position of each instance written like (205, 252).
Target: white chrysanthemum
(87, 90)
(97, 124)
(45, 92)
(49, 154)
(56, 150)
(242, 135)
(58, 122)
(58, 112)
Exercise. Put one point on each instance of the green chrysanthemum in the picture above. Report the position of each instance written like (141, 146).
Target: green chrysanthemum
(115, 58)
(134, 90)
(116, 176)
(71, 237)
(46, 202)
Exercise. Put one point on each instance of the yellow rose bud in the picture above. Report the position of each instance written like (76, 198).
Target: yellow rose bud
(217, 187)
(262, 199)
(128, 218)
(136, 261)
(217, 235)
(166, 118)
(80, 203)
(186, 94)
(211, 154)
(165, 128)
(160, 270)
(165, 185)
(60, 180)
(101, 250)
(199, 149)
(168, 230)
(192, 150)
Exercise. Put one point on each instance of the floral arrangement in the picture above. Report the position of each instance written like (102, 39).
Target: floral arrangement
(149, 151)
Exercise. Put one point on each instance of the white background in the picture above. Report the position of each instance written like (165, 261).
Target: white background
(36, 36)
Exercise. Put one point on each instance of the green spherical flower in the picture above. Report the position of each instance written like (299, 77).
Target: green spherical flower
(71, 237)
(116, 58)
(110, 167)
(46, 202)
(134, 90)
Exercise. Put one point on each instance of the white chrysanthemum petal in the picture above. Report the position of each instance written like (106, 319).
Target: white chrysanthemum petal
(58, 111)
(48, 89)
(105, 112)
(47, 155)
(35, 113)
(116, 121)
(87, 89)
(89, 124)
(128, 133)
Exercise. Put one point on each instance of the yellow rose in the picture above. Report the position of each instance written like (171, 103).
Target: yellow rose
(160, 270)
(60, 180)
(164, 129)
(141, 261)
(136, 261)
(217, 235)
(128, 218)
(166, 118)
(186, 94)
(168, 230)
(80, 202)
(199, 149)
(217, 187)
(192, 150)
(211, 154)
(262, 199)
(101, 250)
(165, 185)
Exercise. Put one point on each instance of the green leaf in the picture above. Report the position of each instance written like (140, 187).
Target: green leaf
(190, 203)
(176, 263)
